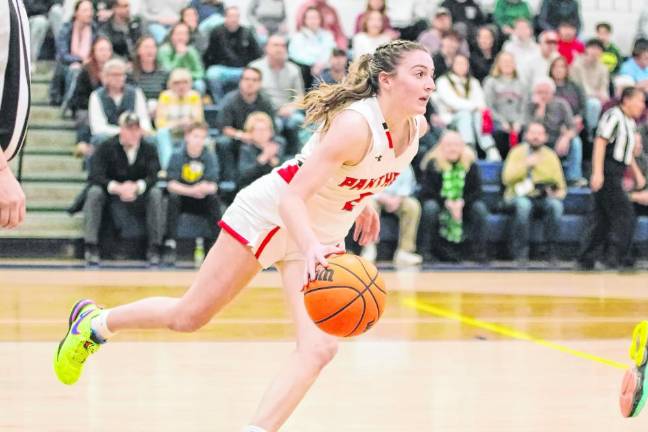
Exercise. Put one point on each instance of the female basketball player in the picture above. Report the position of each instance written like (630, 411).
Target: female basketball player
(14, 105)
(292, 217)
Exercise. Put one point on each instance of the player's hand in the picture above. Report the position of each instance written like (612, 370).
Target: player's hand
(316, 258)
(367, 226)
(596, 182)
(12, 200)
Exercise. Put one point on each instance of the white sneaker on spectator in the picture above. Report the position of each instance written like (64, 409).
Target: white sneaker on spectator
(369, 252)
(402, 257)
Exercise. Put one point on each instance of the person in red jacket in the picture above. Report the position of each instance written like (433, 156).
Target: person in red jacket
(568, 45)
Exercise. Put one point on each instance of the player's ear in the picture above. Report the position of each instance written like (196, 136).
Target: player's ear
(385, 80)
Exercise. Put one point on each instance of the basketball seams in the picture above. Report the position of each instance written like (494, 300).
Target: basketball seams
(372, 281)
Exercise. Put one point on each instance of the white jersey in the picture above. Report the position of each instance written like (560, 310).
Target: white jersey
(334, 207)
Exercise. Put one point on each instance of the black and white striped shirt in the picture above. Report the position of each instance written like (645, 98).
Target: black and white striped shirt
(620, 132)
(15, 92)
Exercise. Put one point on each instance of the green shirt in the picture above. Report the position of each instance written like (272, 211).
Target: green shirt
(169, 60)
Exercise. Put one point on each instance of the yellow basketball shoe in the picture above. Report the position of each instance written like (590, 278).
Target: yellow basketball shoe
(77, 344)
(634, 389)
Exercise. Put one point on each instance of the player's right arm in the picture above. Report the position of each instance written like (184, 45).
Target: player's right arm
(12, 198)
(346, 142)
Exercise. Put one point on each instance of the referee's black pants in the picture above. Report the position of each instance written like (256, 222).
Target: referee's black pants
(612, 220)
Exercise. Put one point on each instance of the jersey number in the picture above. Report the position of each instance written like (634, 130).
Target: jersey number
(349, 205)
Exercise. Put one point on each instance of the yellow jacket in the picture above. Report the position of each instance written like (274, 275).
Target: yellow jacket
(548, 170)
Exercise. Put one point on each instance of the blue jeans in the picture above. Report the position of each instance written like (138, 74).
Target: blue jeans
(573, 162)
(550, 210)
(592, 113)
(166, 146)
(158, 31)
(218, 77)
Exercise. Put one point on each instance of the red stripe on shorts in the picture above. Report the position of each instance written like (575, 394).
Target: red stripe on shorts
(265, 242)
(233, 232)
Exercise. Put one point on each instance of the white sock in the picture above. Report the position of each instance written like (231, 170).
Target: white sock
(252, 428)
(99, 325)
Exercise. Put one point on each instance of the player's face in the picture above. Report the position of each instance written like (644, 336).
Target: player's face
(413, 82)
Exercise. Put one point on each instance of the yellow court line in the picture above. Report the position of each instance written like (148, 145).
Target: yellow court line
(505, 331)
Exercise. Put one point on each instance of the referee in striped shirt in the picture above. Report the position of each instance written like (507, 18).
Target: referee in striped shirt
(14, 105)
(613, 212)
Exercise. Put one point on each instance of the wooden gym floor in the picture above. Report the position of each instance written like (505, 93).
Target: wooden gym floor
(454, 352)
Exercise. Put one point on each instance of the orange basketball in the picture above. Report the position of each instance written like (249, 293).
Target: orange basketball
(347, 298)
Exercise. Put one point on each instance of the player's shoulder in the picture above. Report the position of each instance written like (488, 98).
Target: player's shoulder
(349, 136)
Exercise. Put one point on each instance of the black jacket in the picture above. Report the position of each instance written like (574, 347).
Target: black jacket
(123, 42)
(235, 49)
(110, 163)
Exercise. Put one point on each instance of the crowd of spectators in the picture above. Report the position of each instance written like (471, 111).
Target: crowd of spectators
(217, 101)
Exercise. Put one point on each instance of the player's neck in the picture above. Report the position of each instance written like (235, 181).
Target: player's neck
(396, 120)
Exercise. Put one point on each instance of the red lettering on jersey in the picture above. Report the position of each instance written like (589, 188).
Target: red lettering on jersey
(360, 184)
(371, 184)
(349, 181)
(288, 172)
(349, 205)
(392, 178)
(379, 182)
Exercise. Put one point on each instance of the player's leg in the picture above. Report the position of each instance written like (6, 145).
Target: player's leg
(228, 268)
(634, 389)
(314, 350)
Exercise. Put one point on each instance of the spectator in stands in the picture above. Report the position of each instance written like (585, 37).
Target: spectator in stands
(554, 12)
(73, 47)
(612, 57)
(591, 74)
(568, 45)
(450, 44)
(283, 84)
(534, 186)
(88, 81)
(123, 173)
(548, 42)
(177, 52)
(193, 175)
(236, 108)
(179, 106)
(147, 74)
(311, 47)
(231, 47)
(523, 48)
(484, 52)
(613, 218)
(466, 12)
(507, 12)
(161, 15)
(372, 35)
(329, 20)
(43, 16)
(373, 5)
(460, 101)
(337, 69)
(569, 91)
(637, 66)
(107, 103)
(122, 29)
(198, 39)
(505, 96)
(262, 153)
(556, 116)
(451, 197)
(398, 199)
(440, 25)
(267, 17)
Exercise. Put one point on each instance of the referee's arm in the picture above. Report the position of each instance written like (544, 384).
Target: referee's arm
(598, 157)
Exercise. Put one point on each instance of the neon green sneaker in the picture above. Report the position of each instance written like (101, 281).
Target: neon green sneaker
(77, 344)
(634, 389)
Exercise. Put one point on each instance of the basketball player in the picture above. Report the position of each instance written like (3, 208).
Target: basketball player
(14, 105)
(293, 218)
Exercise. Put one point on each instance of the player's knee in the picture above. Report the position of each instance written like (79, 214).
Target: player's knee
(321, 352)
(188, 319)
